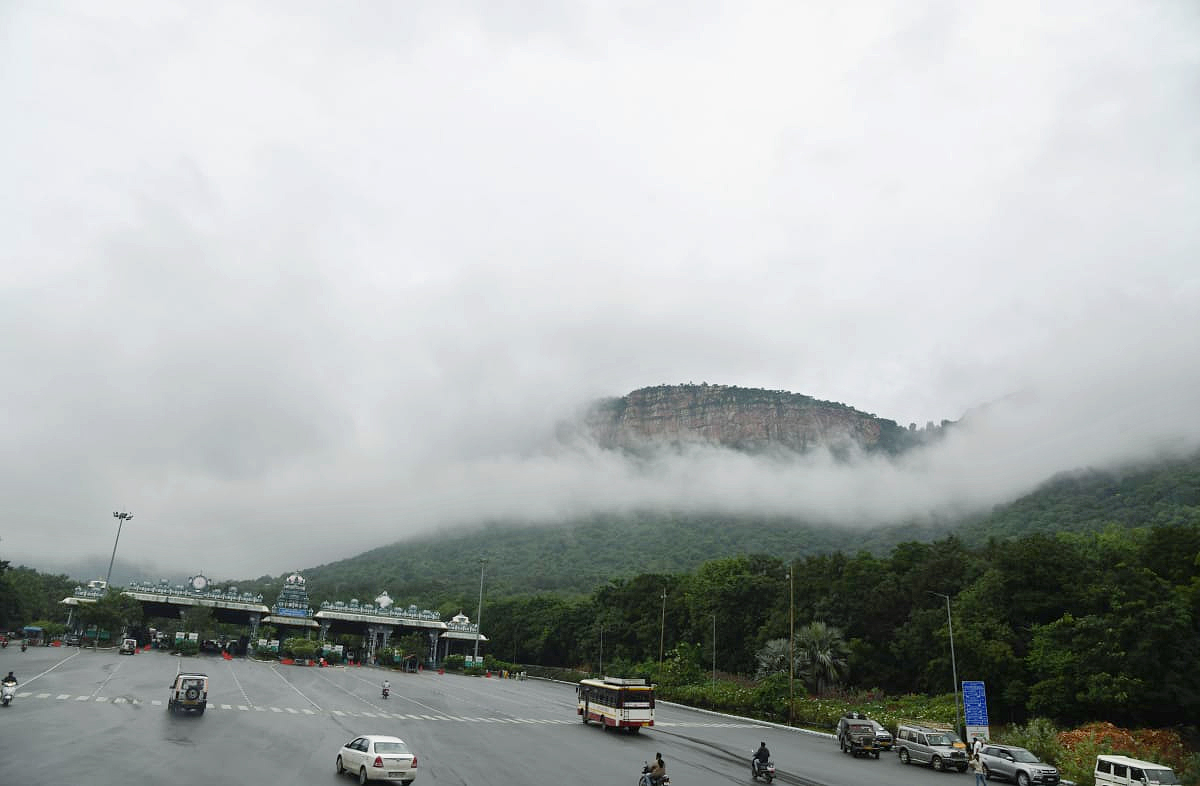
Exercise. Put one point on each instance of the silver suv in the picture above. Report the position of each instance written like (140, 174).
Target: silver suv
(939, 748)
(1016, 764)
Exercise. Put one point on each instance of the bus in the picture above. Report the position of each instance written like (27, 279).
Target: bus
(616, 703)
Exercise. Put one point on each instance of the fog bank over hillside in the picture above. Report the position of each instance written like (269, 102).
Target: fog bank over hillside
(289, 281)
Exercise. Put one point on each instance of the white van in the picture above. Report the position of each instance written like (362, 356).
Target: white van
(1124, 771)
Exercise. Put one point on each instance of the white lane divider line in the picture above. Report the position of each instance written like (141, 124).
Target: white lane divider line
(300, 693)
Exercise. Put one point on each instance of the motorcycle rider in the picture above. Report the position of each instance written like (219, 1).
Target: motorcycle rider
(387, 687)
(9, 679)
(761, 757)
(658, 769)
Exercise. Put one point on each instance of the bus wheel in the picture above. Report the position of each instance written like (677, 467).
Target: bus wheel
(634, 729)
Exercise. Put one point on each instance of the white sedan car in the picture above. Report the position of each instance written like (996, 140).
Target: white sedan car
(374, 757)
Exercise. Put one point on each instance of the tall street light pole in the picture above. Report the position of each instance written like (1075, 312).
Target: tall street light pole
(662, 631)
(479, 609)
(601, 650)
(121, 519)
(953, 662)
(714, 651)
(791, 636)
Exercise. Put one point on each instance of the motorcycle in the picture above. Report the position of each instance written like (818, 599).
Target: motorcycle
(386, 691)
(646, 780)
(24, 646)
(760, 770)
(7, 690)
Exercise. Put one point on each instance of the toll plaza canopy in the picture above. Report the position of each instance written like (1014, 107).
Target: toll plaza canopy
(377, 622)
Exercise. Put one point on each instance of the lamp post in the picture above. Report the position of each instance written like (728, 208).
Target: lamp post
(714, 651)
(121, 519)
(953, 662)
(479, 609)
(662, 631)
(791, 576)
(602, 650)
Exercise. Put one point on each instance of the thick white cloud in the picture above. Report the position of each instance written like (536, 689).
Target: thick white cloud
(307, 279)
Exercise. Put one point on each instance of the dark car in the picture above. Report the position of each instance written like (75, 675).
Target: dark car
(1016, 764)
(883, 737)
(856, 735)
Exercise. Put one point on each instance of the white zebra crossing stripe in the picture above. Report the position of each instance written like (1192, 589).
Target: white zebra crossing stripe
(125, 701)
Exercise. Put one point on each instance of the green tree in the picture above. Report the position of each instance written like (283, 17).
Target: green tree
(112, 612)
(821, 655)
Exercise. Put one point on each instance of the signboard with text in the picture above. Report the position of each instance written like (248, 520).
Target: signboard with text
(974, 697)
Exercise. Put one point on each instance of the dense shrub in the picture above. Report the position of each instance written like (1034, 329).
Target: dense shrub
(1039, 736)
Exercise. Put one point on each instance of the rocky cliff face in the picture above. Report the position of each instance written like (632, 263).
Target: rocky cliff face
(749, 419)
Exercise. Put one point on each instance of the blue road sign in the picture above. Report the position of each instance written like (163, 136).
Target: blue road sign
(974, 703)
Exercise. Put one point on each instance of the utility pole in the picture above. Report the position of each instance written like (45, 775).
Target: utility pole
(791, 576)
(479, 610)
(121, 519)
(662, 631)
(714, 651)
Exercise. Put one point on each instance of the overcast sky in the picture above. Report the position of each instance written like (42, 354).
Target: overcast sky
(291, 281)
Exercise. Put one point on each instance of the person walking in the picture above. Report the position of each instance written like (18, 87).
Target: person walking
(977, 768)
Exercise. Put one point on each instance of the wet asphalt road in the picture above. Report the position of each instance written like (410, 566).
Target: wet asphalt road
(99, 718)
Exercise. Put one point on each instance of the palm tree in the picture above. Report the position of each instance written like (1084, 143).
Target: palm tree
(772, 658)
(820, 656)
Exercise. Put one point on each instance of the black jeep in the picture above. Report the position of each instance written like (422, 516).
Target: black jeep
(856, 735)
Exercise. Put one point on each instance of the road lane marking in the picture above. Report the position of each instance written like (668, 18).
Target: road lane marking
(122, 700)
(52, 668)
(238, 683)
(298, 691)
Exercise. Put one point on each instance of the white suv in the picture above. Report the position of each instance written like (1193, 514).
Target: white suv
(189, 691)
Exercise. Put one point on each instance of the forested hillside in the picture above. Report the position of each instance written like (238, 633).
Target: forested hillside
(575, 557)
(1075, 627)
